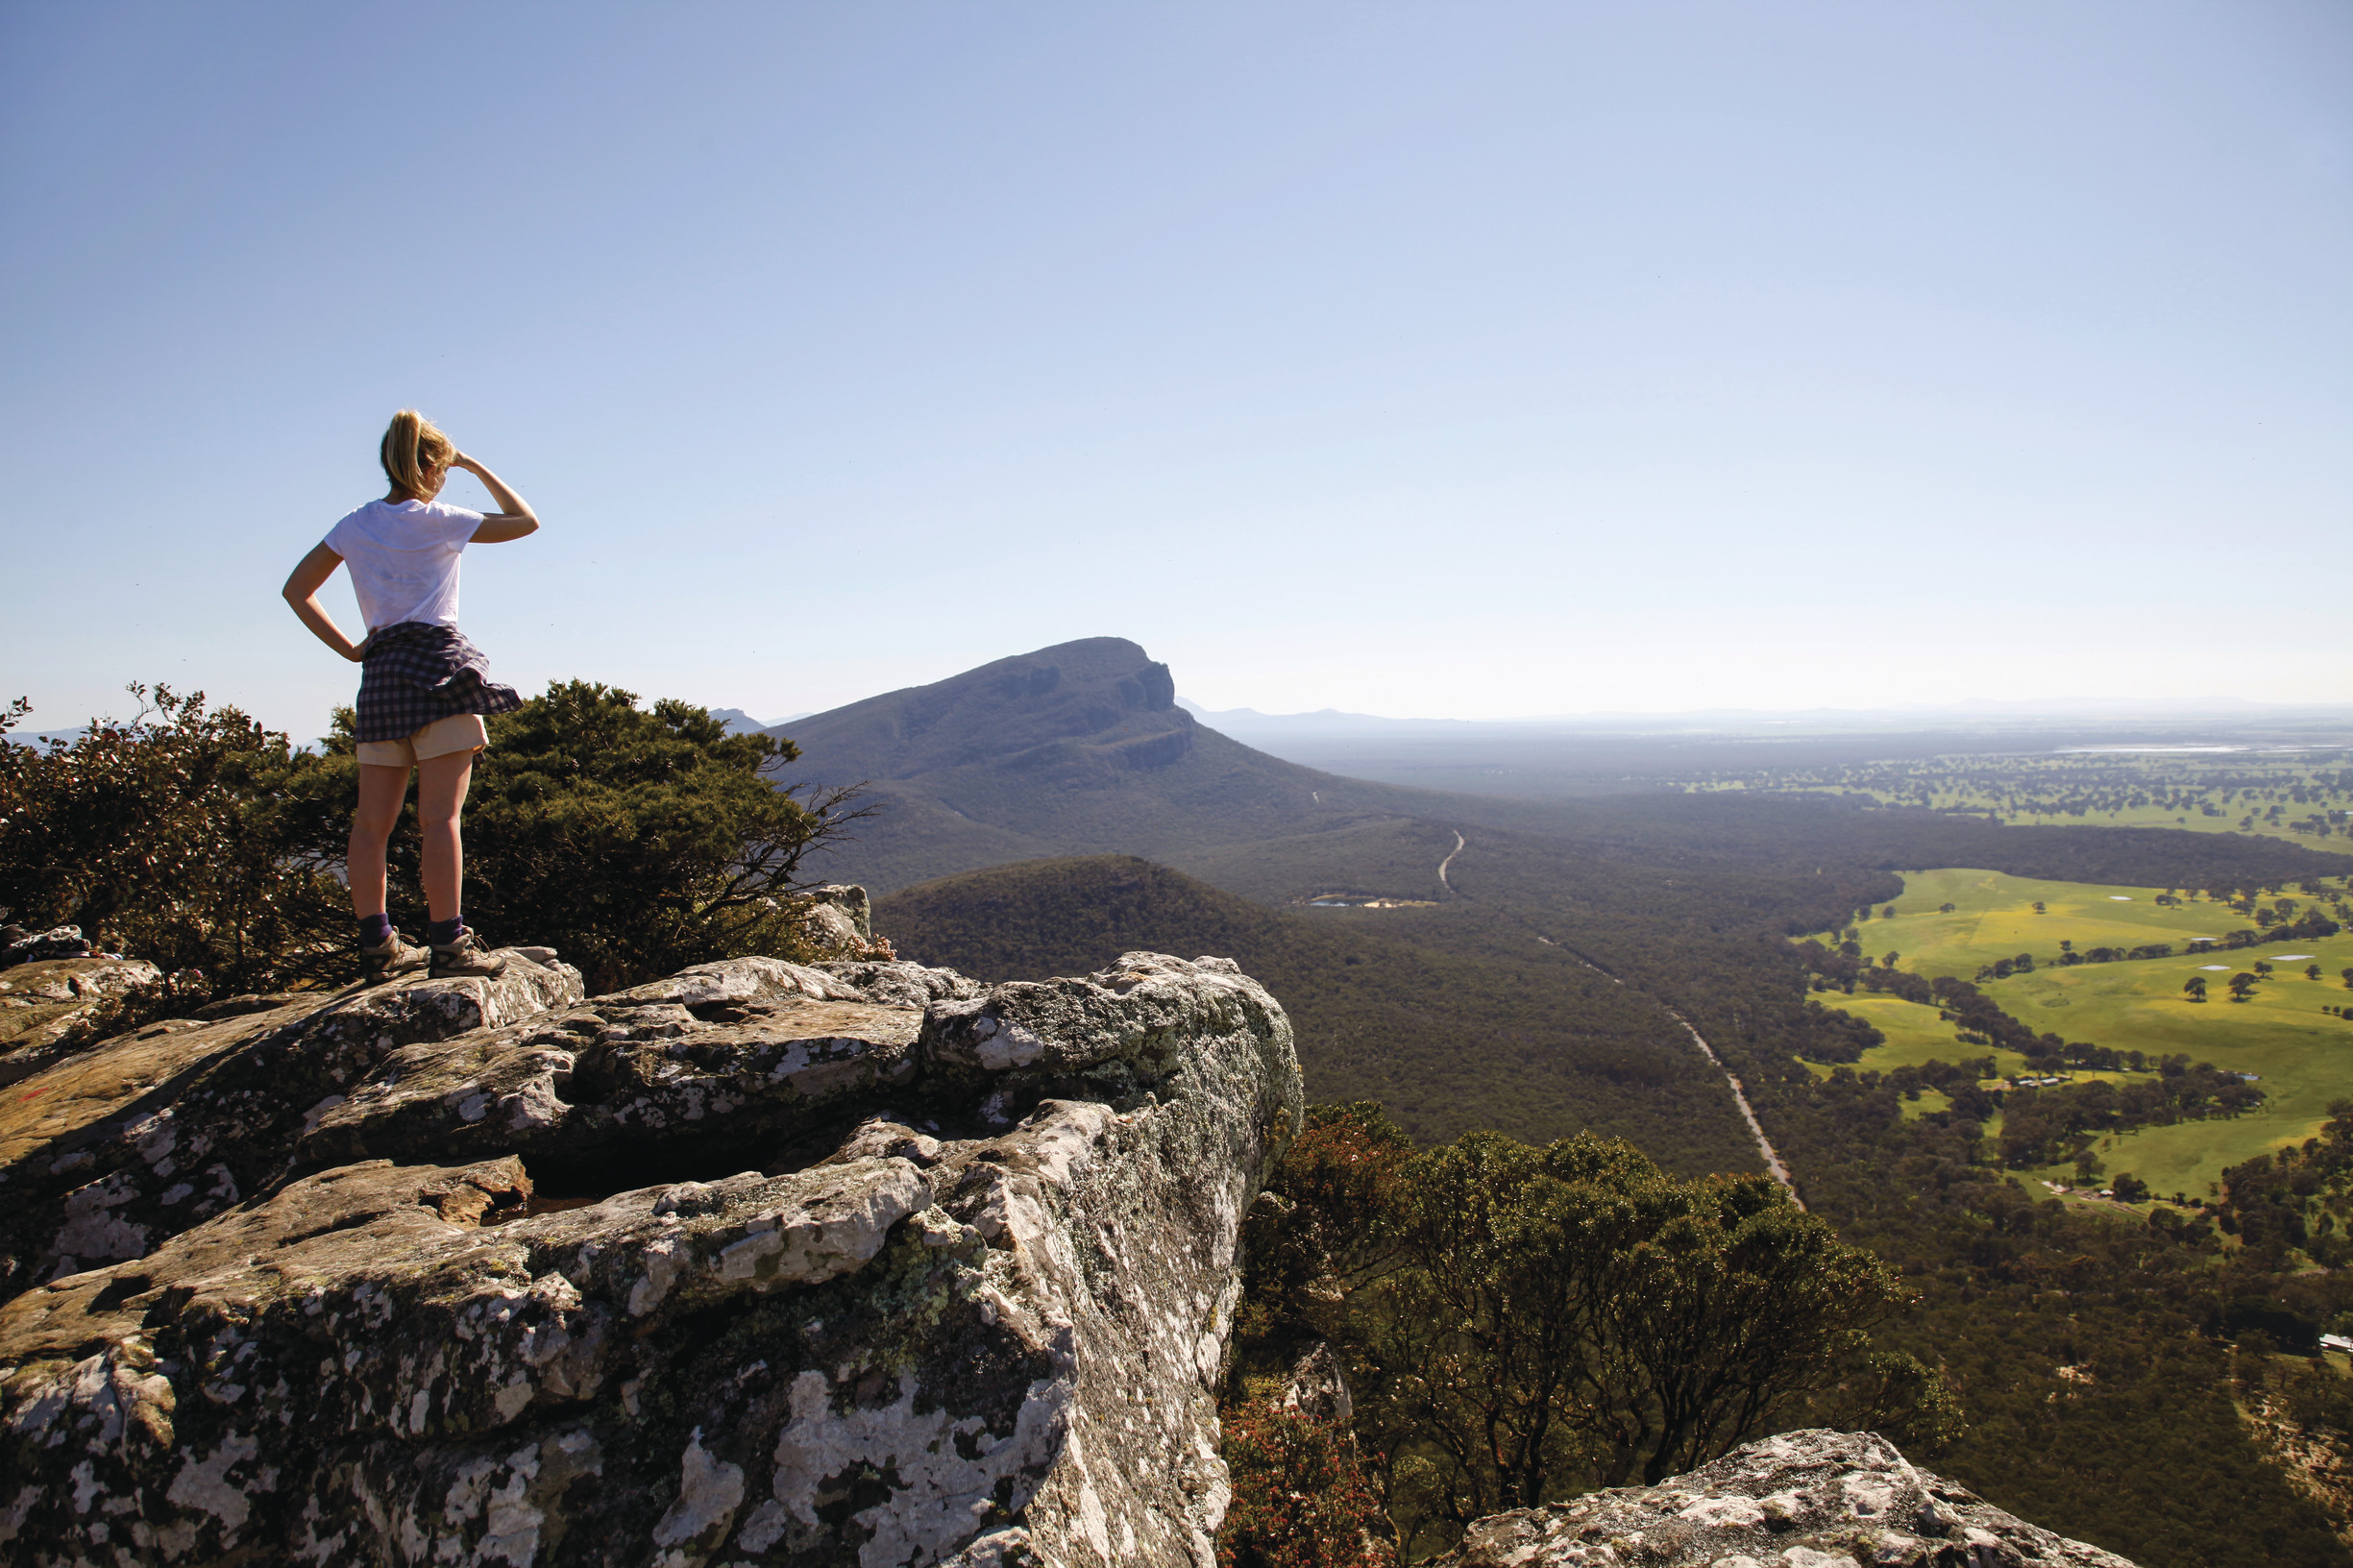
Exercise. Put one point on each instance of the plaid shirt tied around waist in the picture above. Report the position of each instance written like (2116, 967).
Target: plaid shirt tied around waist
(416, 673)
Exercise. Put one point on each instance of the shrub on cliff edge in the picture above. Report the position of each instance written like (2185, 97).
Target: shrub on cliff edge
(161, 836)
(1300, 1496)
(633, 842)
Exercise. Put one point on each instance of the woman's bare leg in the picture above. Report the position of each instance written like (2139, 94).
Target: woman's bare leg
(381, 790)
(441, 794)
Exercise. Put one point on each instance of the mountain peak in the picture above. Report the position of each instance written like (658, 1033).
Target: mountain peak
(1077, 749)
(1097, 693)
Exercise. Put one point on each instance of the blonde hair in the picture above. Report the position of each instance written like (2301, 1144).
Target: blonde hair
(414, 446)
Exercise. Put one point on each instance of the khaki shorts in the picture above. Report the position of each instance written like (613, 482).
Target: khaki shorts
(459, 732)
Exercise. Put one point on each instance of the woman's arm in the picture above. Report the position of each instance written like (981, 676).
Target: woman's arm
(514, 517)
(303, 592)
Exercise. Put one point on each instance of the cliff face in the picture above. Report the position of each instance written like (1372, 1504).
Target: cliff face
(761, 1264)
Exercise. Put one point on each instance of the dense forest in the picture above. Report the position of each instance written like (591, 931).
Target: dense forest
(1451, 1038)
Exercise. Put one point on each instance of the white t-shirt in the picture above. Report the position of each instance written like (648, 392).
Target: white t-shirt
(404, 559)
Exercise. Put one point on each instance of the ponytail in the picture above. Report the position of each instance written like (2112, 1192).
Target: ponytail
(412, 447)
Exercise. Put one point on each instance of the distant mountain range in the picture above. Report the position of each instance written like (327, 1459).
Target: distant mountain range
(1083, 748)
(2069, 713)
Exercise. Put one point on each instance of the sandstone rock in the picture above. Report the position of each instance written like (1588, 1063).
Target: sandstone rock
(108, 1151)
(1317, 1386)
(62, 942)
(39, 1000)
(840, 920)
(937, 1309)
(1802, 1500)
(720, 1067)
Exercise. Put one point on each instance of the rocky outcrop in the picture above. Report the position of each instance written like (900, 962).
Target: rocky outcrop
(106, 1152)
(840, 922)
(765, 1263)
(1801, 1500)
(19, 946)
(41, 998)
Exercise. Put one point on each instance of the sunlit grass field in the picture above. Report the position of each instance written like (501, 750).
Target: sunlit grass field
(2304, 1056)
(1993, 917)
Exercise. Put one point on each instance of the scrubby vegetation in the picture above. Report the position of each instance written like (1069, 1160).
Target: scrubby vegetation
(1523, 1324)
(633, 842)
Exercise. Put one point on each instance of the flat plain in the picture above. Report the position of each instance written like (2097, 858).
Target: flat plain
(2302, 1055)
(2299, 793)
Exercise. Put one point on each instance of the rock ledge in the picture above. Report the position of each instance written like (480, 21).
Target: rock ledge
(1812, 1499)
(851, 1263)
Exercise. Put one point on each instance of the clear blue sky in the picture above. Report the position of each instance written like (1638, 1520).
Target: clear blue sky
(1467, 360)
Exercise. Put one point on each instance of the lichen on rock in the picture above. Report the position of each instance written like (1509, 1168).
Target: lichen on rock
(1814, 1499)
(764, 1263)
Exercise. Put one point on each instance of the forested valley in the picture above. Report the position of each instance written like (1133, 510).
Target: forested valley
(2098, 1365)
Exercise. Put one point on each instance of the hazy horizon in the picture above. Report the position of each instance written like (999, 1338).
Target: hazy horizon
(2056, 708)
(1496, 361)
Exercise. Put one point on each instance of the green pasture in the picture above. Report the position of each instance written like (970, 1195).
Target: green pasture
(1916, 1034)
(2304, 1056)
(1993, 917)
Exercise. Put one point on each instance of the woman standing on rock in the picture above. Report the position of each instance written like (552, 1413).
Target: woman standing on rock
(423, 687)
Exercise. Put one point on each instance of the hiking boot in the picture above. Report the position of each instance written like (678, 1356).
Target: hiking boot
(466, 956)
(390, 957)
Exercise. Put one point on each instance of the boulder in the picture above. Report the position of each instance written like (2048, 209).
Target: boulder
(853, 1263)
(41, 1000)
(32, 947)
(840, 920)
(1802, 1500)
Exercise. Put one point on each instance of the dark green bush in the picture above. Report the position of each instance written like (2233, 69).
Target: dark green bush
(632, 842)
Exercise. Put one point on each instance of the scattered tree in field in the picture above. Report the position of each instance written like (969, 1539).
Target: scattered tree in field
(2088, 1166)
(2242, 986)
(2195, 988)
(1945, 909)
(2126, 1187)
(2312, 972)
(2039, 909)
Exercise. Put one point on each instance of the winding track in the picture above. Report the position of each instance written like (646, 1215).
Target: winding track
(1775, 1164)
(1449, 861)
(1773, 1158)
